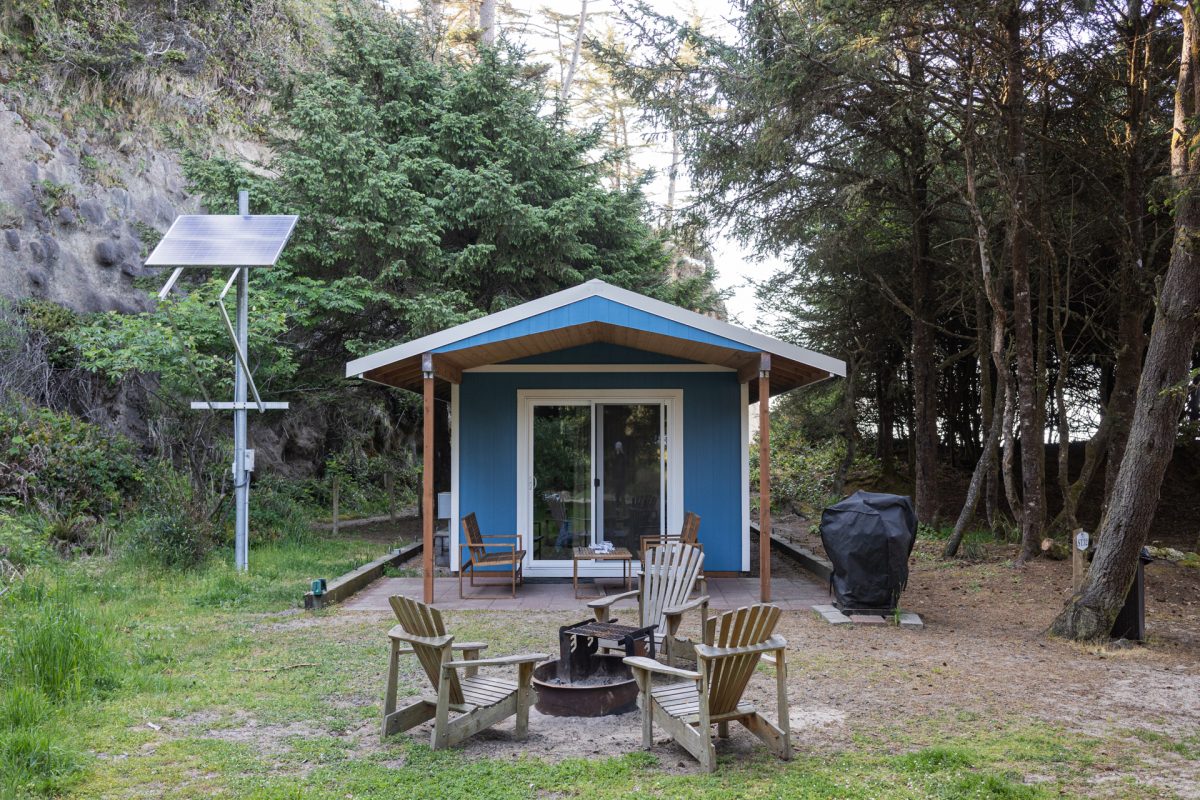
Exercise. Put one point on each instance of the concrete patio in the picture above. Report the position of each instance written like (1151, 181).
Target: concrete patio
(793, 593)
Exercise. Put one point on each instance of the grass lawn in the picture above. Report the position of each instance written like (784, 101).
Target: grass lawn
(219, 686)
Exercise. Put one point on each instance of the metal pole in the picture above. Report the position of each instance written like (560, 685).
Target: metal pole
(241, 477)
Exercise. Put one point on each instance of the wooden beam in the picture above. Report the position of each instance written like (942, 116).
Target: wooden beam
(764, 480)
(754, 367)
(446, 369)
(427, 505)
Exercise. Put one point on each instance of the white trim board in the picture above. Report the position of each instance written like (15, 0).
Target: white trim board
(595, 288)
(745, 493)
(455, 524)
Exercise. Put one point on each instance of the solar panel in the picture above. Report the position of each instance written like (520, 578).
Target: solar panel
(216, 240)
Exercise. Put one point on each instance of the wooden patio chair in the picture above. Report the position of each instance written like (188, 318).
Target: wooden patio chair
(712, 694)
(688, 534)
(670, 573)
(500, 554)
(479, 702)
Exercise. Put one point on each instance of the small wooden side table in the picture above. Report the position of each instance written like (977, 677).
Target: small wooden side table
(621, 554)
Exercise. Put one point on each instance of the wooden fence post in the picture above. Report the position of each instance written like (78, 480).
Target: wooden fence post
(336, 491)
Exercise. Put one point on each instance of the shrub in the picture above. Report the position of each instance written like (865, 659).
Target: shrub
(58, 460)
(175, 537)
(173, 527)
(281, 509)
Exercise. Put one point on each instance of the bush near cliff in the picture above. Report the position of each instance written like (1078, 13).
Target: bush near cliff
(56, 461)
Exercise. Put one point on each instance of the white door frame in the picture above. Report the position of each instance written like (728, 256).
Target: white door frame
(526, 399)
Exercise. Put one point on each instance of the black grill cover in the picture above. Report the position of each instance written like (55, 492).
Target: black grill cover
(868, 538)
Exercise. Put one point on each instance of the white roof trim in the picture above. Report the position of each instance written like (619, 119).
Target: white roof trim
(595, 288)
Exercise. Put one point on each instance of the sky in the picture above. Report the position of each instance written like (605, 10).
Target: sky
(735, 262)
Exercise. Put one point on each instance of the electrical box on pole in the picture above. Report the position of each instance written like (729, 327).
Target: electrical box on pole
(238, 242)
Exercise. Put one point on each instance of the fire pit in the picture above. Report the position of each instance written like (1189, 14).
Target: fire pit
(584, 683)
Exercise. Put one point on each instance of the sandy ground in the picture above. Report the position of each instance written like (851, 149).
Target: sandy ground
(982, 659)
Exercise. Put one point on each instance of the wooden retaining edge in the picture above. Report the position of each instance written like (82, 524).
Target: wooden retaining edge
(801, 555)
(346, 585)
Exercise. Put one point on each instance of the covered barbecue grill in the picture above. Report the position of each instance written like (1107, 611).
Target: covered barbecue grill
(868, 538)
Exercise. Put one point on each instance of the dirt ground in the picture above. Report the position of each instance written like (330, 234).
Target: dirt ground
(981, 660)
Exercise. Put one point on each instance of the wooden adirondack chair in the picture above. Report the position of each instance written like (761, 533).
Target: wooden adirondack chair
(503, 554)
(712, 694)
(670, 573)
(688, 534)
(479, 702)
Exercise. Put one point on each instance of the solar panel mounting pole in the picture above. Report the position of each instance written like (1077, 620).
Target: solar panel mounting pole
(220, 241)
(241, 476)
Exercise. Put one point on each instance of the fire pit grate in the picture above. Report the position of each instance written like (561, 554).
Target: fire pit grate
(585, 683)
(578, 643)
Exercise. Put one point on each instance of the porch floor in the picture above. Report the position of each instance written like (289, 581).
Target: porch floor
(791, 593)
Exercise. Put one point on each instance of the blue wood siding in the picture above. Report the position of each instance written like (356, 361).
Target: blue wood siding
(594, 309)
(712, 449)
(600, 353)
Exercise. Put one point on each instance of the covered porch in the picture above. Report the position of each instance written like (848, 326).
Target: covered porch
(791, 593)
(599, 415)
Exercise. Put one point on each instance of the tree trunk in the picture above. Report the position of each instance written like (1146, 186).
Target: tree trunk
(977, 481)
(487, 22)
(1032, 446)
(849, 425)
(1136, 32)
(885, 376)
(672, 177)
(564, 91)
(1009, 456)
(1090, 613)
(925, 418)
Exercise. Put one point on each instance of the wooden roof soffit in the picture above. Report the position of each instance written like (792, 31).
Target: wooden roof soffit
(754, 368)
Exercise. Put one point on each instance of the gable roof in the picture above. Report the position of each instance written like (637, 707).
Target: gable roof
(596, 312)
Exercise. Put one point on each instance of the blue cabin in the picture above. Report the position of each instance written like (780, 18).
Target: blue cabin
(597, 414)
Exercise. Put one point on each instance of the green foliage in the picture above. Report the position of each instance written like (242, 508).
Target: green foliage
(23, 706)
(187, 345)
(23, 542)
(282, 509)
(430, 192)
(173, 528)
(57, 655)
(171, 537)
(56, 460)
(35, 760)
(56, 323)
(54, 646)
(54, 196)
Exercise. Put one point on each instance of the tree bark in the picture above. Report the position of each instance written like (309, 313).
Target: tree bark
(487, 22)
(1136, 32)
(564, 91)
(977, 481)
(1090, 613)
(925, 418)
(1032, 446)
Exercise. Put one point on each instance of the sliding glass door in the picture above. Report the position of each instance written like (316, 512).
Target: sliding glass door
(597, 470)
(631, 472)
(562, 479)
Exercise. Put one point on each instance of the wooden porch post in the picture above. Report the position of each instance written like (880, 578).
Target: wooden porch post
(764, 476)
(427, 506)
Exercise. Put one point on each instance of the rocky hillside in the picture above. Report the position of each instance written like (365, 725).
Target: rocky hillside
(98, 101)
(76, 208)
